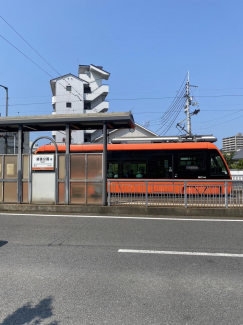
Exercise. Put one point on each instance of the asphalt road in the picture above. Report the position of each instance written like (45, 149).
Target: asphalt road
(69, 270)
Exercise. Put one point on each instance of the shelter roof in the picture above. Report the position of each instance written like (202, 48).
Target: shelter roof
(76, 121)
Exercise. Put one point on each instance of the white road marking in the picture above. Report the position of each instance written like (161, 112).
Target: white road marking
(177, 253)
(120, 217)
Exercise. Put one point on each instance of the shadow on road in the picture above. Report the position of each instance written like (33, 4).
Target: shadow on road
(31, 314)
(3, 242)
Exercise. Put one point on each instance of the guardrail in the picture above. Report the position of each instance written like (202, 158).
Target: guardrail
(187, 193)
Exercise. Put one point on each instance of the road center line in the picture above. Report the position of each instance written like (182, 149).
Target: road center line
(119, 217)
(177, 253)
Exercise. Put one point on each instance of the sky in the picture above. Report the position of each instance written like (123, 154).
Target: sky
(147, 46)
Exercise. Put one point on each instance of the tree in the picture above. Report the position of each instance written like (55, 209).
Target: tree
(228, 156)
(239, 166)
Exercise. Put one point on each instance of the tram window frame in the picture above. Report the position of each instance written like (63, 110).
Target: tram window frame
(113, 169)
(192, 167)
(138, 172)
(214, 156)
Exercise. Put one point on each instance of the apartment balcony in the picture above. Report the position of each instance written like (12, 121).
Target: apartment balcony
(101, 91)
(100, 108)
(54, 100)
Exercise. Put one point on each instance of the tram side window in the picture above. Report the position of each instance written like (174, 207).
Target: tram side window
(217, 167)
(112, 170)
(134, 170)
(192, 162)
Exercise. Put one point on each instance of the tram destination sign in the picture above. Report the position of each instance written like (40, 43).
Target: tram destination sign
(43, 162)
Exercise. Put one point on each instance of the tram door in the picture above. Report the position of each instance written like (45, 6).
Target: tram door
(162, 166)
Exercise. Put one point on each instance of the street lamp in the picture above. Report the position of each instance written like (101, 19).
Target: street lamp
(6, 135)
(6, 88)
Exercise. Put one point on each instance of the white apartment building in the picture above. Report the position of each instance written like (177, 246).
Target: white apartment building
(233, 143)
(83, 94)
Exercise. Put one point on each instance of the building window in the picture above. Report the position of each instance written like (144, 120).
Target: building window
(87, 106)
(87, 90)
(68, 88)
(68, 104)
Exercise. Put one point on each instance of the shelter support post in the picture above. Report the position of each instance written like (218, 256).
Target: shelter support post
(67, 163)
(20, 167)
(104, 165)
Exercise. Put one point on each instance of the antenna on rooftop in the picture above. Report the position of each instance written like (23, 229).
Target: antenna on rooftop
(146, 124)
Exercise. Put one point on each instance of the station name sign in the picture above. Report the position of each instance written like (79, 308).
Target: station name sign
(43, 162)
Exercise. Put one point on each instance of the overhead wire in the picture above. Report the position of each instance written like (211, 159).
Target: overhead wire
(111, 99)
(36, 96)
(26, 56)
(30, 45)
(37, 54)
(220, 117)
(223, 122)
(172, 122)
(174, 109)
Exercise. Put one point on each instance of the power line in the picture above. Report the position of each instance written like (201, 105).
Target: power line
(26, 56)
(223, 122)
(135, 92)
(174, 109)
(30, 46)
(208, 121)
(38, 54)
(119, 99)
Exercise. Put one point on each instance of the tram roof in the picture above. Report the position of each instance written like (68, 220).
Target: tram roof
(57, 122)
(121, 147)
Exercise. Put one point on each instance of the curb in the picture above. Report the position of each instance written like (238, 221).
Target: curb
(124, 210)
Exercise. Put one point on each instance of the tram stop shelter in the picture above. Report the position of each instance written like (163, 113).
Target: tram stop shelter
(67, 123)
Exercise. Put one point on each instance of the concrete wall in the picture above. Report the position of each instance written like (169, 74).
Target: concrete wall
(75, 97)
(237, 175)
(93, 77)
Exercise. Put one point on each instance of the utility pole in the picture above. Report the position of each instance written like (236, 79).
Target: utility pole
(6, 88)
(6, 135)
(188, 103)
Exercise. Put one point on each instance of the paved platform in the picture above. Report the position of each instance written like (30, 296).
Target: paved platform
(123, 210)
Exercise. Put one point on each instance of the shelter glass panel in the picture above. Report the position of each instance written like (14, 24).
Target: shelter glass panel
(10, 167)
(94, 193)
(77, 193)
(25, 167)
(1, 191)
(1, 166)
(61, 192)
(10, 192)
(25, 192)
(61, 166)
(77, 166)
(94, 166)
